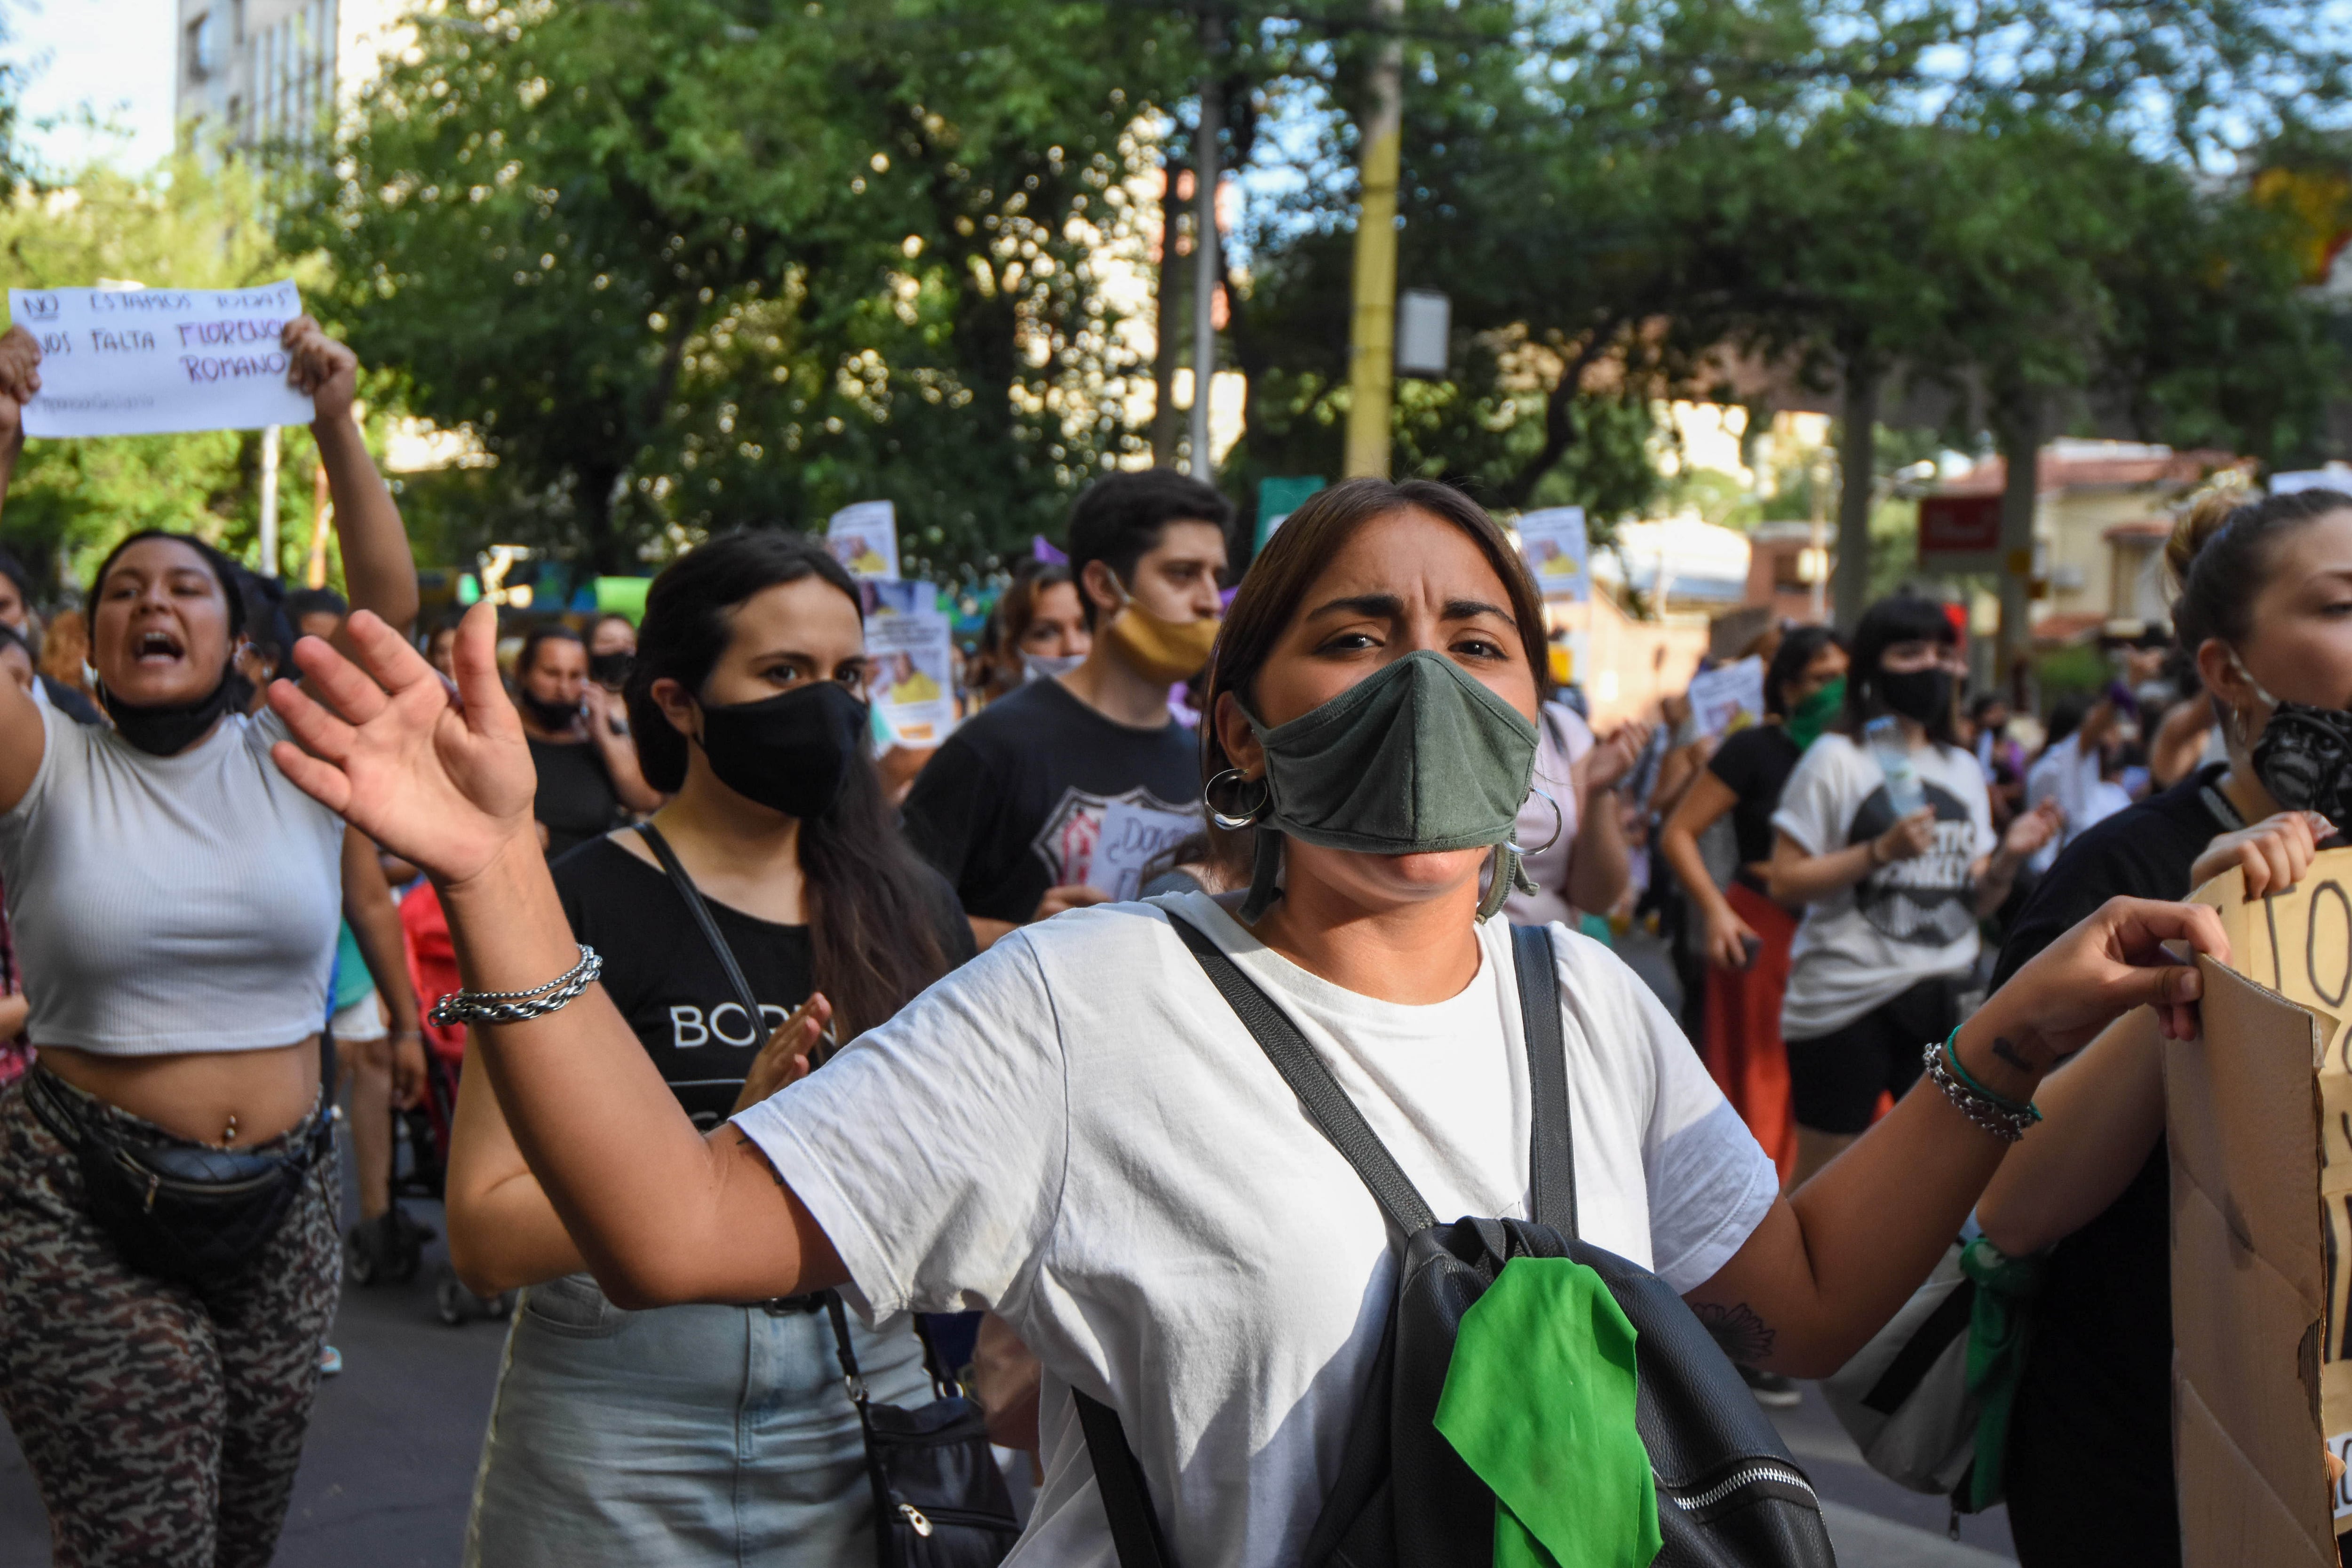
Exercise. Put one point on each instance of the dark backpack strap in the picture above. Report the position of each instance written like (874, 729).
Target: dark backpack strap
(703, 918)
(1328, 1105)
(850, 1377)
(1551, 1161)
(1119, 1476)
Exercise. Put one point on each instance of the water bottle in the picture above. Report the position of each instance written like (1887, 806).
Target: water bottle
(1893, 753)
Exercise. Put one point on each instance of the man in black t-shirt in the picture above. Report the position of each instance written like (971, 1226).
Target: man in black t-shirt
(1054, 796)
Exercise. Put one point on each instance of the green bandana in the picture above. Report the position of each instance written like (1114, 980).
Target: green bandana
(1416, 758)
(1816, 713)
(1539, 1402)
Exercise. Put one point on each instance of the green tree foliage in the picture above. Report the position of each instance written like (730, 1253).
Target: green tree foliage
(180, 226)
(690, 263)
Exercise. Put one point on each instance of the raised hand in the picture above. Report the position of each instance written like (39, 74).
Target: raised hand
(323, 368)
(784, 1060)
(20, 378)
(445, 784)
(2112, 961)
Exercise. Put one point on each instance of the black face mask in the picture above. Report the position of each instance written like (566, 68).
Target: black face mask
(1923, 695)
(791, 753)
(609, 670)
(165, 730)
(2304, 759)
(558, 716)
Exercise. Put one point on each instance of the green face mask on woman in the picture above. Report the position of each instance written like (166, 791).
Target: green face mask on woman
(1416, 758)
(1816, 712)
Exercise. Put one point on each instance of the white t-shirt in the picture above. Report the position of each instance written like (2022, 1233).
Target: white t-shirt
(1904, 922)
(1075, 1131)
(2070, 775)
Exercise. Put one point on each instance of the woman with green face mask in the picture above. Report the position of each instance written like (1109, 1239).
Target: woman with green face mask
(1748, 935)
(1078, 1132)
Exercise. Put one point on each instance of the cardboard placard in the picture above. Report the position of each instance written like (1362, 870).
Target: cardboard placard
(145, 361)
(908, 643)
(2259, 1121)
(1729, 696)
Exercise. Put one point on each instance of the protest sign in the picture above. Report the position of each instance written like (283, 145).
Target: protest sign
(143, 361)
(2257, 1114)
(908, 643)
(1729, 696)
(865, 539)
(1135, 827)
(1553, 542)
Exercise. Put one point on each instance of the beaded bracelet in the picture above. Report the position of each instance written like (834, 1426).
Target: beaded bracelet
(519, 1007)
(2004, 1118)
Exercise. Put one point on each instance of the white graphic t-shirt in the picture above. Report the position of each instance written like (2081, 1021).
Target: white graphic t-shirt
(1908, 920)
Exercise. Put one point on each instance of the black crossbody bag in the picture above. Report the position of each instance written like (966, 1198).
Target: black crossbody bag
(182, 1212)
(940, 1500)
(1729, 1495)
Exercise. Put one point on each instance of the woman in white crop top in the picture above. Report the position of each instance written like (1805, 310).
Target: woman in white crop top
(174, 905)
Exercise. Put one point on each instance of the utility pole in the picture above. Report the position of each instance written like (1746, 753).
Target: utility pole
(1208, 261)
(269, 447)
(1371, 340)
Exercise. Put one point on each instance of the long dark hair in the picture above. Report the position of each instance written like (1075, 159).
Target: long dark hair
(1904, 618)
(874, 910)
(1279, 580)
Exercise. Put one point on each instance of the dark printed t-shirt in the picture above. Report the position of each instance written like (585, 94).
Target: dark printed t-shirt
(668, 984)
(1040, 790)
(1755, 763)
(576, 800)
(2090, 1446)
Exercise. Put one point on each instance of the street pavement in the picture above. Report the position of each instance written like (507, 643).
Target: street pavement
(390, 1464)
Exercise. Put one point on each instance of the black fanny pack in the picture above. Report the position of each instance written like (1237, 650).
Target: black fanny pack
(181, 1212)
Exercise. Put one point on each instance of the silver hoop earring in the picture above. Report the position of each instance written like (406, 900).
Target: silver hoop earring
(1232, 821)
(1559, 826)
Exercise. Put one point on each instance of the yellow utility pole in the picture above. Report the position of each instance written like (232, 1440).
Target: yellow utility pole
(1371, 340)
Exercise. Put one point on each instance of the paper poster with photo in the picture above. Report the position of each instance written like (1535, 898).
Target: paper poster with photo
(1554, 543)
(910, 647)
(146, 362)
(865, 539)
(1729, 696)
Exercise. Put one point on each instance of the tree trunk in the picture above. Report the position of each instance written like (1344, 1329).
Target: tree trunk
(1559, 418)
(1857, 461)
(2017, 428)
(1167, 310)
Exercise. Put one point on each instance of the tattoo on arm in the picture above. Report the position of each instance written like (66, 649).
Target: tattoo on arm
(2009, 1053)
(1746, 1338)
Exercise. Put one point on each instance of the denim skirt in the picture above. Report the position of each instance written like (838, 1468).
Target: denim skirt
(691, 1436)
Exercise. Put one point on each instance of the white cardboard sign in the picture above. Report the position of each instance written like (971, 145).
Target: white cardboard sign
(1132, 834)
(865, 539)
(910, 645)
(143, 361)
(1718, 698)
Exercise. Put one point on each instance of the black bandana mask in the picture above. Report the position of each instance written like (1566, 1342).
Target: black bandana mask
(2304, 759)
(165, 730)
(791, 753)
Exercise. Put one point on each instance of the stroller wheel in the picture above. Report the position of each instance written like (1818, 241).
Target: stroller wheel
(358, 1257)
(450, 1299)
(407, 1248)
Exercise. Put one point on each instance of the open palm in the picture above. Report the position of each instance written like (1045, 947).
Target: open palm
(444, 784)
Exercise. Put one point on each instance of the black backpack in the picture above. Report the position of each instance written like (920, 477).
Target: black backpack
(1729, 1495)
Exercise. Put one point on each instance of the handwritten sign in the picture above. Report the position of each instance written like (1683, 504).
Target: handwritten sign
(1729, 696)
(1135, 828)
(865, 539)
(142, 362)
(908, 643)
(1554, 543)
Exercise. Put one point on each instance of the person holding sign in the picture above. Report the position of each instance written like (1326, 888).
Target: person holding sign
(2264, 609)
(748, 699)
(1078, 1130)
(175, 903)
(1054, 796)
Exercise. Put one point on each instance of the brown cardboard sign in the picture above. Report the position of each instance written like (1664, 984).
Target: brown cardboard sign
(2259, 1120)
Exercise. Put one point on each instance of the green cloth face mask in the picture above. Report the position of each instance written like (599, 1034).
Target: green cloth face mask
(1816, 713)
(1414, 759)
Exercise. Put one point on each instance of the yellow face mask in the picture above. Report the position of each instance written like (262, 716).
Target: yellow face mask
(1165, 652)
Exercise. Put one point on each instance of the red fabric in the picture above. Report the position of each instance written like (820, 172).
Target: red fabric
(432, 966)
(1742, 1046)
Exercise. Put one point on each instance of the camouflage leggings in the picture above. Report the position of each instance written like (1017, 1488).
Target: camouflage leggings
(162, 1425)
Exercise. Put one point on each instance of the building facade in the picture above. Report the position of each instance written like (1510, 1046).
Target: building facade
(272, 74)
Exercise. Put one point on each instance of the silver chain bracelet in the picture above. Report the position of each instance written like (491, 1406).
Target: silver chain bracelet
(2004, 1120)
(518, 1006)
